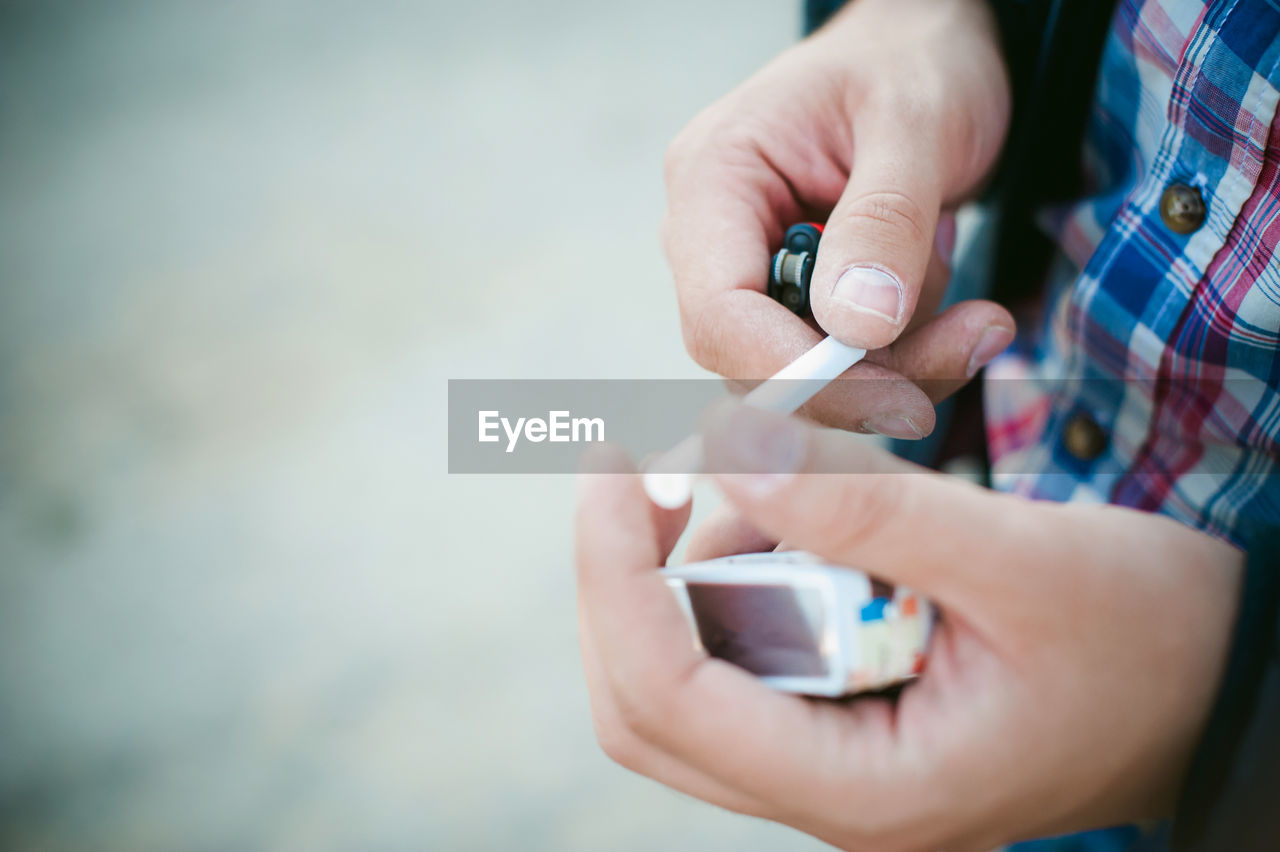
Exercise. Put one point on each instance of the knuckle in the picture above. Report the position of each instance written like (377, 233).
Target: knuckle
(912, 99)
(719, 135)
(889, 210)
(690, 144)
(922, 108)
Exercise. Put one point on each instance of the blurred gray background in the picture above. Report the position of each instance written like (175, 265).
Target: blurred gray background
(243, 246)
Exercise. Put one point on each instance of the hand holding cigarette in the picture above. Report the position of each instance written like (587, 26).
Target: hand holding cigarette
(885, 119)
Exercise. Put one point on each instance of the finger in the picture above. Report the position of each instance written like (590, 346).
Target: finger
(749, 337)
(626, 749)
(700, 711)
(726, 532)
(725, 207)
(937, 275)
(894, 390)
(880, 237)
(868, 397)
(944, 354)
(832, 494)
(936, 360)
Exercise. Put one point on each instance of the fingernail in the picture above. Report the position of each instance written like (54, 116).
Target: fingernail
(993, 341)
(894, 426)
(766, 448)
(871, 290)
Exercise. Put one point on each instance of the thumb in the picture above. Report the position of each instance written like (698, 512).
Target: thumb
(839, 497)
(879, 238)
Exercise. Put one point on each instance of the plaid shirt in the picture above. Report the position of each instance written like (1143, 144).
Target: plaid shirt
(1167, 342)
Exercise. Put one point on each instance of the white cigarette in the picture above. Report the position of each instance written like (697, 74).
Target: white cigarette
(669, 479)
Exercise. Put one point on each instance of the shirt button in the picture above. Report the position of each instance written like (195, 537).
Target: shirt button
(1083, 437)
(1182, 208)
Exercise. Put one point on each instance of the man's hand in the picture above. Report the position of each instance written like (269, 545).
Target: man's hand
(890, 114)
(1072, 668)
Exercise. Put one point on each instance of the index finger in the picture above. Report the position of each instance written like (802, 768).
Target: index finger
(726, 206)
(828, 493)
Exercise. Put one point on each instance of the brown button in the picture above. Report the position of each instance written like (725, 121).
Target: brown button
(1083, 437)
(1182, 208)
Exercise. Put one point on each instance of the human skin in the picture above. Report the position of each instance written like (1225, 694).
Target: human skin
(878, 124)
(1066, 683)
(1078, 647)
